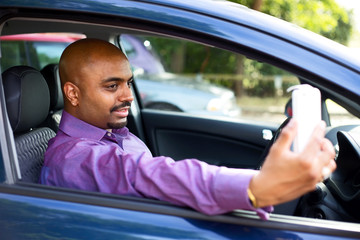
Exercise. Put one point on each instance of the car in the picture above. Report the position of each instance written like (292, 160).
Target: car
(231, 45)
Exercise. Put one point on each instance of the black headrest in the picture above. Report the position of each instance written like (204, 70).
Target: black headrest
(51, 74)
(27, 97)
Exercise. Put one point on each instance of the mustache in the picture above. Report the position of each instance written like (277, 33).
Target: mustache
(124, 104)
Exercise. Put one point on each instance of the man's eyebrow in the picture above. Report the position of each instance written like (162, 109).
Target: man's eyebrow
(117, 79)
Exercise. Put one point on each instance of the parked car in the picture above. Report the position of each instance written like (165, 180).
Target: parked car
(164, 90)
(29, 210)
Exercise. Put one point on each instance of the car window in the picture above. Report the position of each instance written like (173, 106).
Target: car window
(35, 50)
(128, 48)
(182, 76)
(49, 52)
(339, 115)
(193, 78)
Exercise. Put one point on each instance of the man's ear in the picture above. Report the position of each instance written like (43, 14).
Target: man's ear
(71, 92)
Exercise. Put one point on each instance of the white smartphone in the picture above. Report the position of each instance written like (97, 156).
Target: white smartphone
(306, 107)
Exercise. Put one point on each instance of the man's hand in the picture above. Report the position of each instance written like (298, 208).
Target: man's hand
(286, 175)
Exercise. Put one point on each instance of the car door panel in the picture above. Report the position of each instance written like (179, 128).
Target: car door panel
(216, 141)
(46, 213)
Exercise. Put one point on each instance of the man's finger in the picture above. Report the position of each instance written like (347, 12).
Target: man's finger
(287, 134)
(315, 142)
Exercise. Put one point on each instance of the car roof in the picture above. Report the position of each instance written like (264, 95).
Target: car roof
(221, 9)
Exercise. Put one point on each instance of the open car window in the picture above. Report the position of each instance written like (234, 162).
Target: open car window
(339, 115)
(183, 76)
(215, 82)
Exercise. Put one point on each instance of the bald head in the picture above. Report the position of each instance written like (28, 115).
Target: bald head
(79, 57)
(95, 77)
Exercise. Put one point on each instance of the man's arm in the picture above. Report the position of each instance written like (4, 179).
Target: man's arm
(206, 188)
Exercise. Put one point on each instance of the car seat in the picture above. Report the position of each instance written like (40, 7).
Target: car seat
(51, 75)
(27, 103)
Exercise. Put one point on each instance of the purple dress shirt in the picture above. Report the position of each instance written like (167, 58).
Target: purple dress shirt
(85, 157)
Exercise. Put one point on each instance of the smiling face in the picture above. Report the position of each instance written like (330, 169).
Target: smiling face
(96, 79)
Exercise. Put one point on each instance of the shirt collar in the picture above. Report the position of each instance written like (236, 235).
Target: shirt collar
(75, 127)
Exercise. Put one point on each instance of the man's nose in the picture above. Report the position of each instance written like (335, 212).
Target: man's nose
(126, 95)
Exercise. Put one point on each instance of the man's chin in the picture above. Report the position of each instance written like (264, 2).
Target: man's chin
(117, 125)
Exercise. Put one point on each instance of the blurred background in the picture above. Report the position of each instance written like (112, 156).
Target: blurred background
(260, 89)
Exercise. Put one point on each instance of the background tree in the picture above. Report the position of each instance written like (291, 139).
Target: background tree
(331, 21)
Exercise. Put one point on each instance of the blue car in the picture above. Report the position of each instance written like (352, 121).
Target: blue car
(213, 29)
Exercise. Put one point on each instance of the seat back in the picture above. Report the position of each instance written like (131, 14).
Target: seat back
(27, 102)
(51, 75)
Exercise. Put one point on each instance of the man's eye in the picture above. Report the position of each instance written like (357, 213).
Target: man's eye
(112, 86)
(130, 82)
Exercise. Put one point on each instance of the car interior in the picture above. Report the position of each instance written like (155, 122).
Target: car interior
(34, 104)
(28, 103)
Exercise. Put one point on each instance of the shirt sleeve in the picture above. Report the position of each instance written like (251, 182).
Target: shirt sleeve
(95, 166)
(206, 188)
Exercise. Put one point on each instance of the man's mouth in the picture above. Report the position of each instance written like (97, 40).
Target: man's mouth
(121, 112)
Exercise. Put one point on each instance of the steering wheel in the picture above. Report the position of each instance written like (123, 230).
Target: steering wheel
(273, 139)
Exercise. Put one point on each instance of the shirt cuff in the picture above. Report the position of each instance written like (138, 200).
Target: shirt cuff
(234, 193)
(263, 213)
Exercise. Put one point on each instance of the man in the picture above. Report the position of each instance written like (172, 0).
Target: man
(94, 151)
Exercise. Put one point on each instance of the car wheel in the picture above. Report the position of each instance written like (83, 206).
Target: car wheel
(163, 106)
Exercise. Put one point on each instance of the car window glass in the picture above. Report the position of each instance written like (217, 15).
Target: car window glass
(183, 76)
(128, 48)
(339, 115)
(15, 50)
(49, 52)
(35, 50)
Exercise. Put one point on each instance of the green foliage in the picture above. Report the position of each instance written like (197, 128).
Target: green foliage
(207, 60)
(247, 3)
(261, 88)
(324, 17)
(44, 59)
(18, 53)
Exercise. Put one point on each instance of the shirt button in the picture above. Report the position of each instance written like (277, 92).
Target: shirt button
(109, 134)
